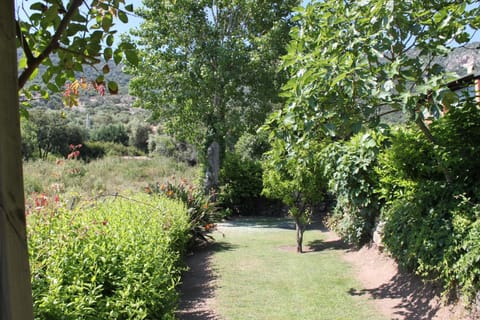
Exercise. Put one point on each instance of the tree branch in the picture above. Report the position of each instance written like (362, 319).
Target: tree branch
(25, 46)
(34, 62)
(93, 60)
(388, 112)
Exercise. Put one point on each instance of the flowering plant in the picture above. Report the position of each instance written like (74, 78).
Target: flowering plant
(203, 212)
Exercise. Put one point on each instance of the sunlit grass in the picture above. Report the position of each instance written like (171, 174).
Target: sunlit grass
(260, 278)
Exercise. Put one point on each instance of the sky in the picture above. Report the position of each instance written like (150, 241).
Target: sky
(133, 21)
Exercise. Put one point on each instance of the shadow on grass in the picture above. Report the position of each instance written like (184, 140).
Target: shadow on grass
(321, 245)
(197, 290)
(414, 294)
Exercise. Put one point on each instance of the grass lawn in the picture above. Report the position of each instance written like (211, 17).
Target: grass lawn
(259, 277)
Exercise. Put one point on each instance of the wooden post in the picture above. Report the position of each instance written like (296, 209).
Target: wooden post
(15, 287)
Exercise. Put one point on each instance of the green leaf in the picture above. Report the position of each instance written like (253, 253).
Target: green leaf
(129, 7)
(122, 16)
(117, 56)
(110, 40)
(52, 87)
(107, 21)
(39, 6)
(112, 87)
(132, 57)
(339, 78)
(107, 54)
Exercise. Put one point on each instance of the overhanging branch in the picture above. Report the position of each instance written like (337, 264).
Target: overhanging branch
(34, 62)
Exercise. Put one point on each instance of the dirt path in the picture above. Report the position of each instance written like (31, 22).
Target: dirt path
(197, 300)
(397, 295)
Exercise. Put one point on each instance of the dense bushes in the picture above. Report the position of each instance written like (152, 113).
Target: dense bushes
(427, 195)
(115, 259)
(241, 176)
(431, 225)
(111, 133)
(241, 181)
(349, 168)
(49, 133)
(167, 146)
(202, 212)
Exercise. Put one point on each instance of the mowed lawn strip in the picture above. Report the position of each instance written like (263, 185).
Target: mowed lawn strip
(259, 276)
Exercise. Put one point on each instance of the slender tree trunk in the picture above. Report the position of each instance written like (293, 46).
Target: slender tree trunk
(300, 229)
(15, 288)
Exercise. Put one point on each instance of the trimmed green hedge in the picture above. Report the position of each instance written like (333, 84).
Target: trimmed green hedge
(118, 259)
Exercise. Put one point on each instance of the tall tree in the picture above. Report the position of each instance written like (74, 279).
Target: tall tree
(350, 62)
(209, 67)
(76, 31)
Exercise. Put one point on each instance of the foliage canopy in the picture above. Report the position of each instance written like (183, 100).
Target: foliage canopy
(209, 67)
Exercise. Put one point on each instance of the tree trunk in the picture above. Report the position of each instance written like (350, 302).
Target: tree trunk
(300, 229)
(15, 288)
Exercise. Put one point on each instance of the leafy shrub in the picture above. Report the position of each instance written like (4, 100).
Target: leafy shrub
(162, 144)
(167, 146)
(93, 150)
(111, 133)
(252, 147)
(116, 149)
(202, 213)
(349, 167)
(458, 136)
(49, 133)
(418, 228)
(241, 183)
(116, 259)
(431, 226)
(29, 139)
(139, 137)
(464, 255)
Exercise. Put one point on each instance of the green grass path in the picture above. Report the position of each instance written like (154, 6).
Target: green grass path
(259, 277)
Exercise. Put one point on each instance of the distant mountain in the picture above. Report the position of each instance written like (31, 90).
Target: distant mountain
(461, 58)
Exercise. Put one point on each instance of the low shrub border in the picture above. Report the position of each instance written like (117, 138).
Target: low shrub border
(118, 259)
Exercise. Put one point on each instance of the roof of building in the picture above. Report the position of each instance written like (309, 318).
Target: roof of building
(464, 82)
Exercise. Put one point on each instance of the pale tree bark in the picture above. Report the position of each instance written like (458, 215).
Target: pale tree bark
(15, 288)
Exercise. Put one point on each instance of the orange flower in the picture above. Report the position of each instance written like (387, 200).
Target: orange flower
(209, 226)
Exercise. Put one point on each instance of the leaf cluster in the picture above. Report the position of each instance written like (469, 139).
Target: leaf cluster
(77, 33)
(348, 60)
